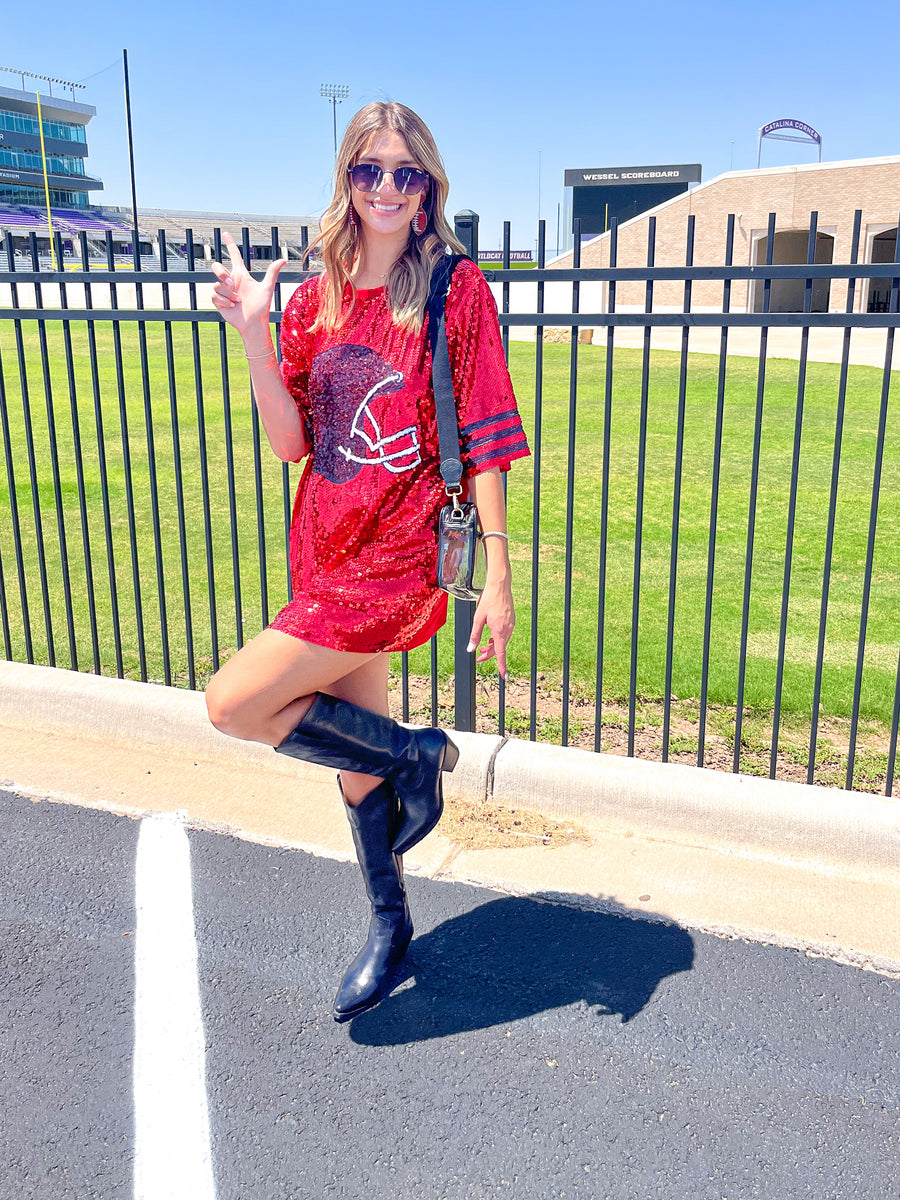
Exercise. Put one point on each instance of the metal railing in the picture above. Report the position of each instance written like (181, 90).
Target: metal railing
(170, 541)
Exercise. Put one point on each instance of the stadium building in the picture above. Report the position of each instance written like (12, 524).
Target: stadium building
(64, 143)
(23, 206)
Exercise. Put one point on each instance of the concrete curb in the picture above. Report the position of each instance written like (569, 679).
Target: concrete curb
(848, 833)
(741, 814)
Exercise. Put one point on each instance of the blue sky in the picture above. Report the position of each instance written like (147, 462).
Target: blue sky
(228, 116)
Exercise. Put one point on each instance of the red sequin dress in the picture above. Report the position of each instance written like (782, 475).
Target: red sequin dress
(364, 528)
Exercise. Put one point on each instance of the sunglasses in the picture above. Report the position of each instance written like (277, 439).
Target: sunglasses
(368, 177)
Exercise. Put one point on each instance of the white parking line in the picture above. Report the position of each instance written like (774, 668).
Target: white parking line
(172, 1149)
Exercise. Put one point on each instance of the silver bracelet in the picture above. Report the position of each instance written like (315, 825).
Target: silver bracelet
(495, 533)
(268, 354)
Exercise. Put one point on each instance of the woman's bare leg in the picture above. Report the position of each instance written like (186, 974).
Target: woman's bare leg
(266, 689)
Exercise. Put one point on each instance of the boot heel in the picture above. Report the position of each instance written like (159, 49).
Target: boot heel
(451, 756)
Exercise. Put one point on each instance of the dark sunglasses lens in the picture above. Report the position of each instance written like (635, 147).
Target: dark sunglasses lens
(410, 180)
(365, 176)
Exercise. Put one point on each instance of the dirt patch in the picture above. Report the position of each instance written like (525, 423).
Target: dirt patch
(482, 826)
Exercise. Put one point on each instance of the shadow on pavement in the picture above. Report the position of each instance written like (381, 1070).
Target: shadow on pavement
(514, 957)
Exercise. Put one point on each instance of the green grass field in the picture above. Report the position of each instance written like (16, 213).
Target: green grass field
(497, 265)
(855, 492)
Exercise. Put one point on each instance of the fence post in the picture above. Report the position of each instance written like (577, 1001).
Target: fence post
(466, 224)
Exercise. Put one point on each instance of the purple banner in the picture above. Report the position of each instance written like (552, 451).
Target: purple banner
(788, 123)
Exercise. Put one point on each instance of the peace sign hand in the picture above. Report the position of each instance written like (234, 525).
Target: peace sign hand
(241, 300)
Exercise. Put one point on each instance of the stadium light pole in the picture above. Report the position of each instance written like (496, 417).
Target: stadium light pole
(335, 92)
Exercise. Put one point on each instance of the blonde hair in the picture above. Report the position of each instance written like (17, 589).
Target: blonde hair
(408, 280)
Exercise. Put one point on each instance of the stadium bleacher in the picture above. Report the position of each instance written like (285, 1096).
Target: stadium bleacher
(75, 221)
(19, 221)
(66, 220)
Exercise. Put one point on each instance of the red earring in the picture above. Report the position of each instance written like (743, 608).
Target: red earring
(420, 221)
(351, 216)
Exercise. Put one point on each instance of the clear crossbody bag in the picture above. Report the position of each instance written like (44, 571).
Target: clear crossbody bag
(461, 562)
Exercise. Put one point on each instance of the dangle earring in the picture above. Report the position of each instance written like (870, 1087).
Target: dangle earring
(420, 221)
(351, 216)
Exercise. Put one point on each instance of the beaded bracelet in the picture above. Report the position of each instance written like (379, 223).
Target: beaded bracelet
(495, 533)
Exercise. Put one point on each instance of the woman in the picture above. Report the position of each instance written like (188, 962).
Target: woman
(353, 395)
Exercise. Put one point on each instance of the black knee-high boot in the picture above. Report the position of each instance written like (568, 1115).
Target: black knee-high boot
(369, 976)
(336, 733)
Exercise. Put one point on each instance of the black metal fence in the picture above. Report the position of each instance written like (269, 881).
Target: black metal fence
(677, 520)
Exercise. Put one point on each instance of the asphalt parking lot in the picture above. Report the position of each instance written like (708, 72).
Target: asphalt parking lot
(530, 1049)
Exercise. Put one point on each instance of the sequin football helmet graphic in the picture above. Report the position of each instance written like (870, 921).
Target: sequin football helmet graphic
(345, 384)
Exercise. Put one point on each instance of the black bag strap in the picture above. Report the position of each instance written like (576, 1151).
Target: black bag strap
(442, 377)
